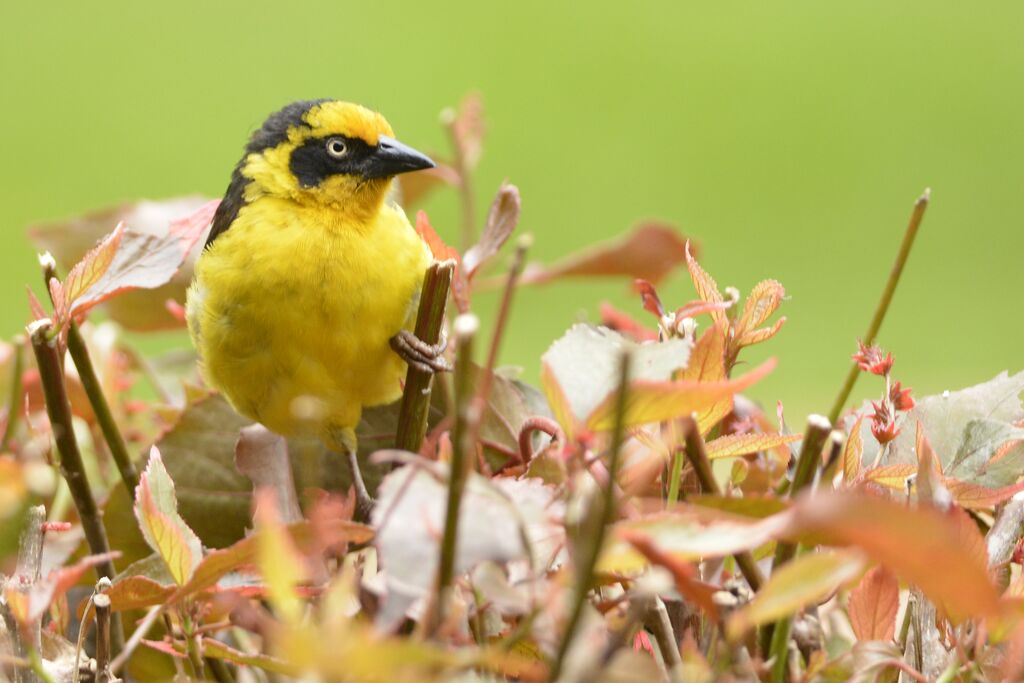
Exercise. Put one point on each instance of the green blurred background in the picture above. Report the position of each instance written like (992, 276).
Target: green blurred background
(789, 138)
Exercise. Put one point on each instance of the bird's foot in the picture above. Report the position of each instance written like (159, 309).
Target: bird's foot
(419, 354)
(364, 501)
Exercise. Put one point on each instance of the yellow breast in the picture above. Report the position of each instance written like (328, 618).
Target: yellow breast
(292, 309)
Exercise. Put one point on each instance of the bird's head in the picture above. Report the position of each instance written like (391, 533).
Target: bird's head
(326, 152)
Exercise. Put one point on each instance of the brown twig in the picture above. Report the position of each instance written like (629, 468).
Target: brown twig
(101, 603)
(602, 512)
(698, 457)
(657, 621)
(883, 304)
(69, 456)
(412, 416)
(465, 329)
(94, 389)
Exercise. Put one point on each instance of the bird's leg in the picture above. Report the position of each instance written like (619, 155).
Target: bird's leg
(419, 354)
(364, 502)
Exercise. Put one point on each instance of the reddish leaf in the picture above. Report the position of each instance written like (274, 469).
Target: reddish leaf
(649, 297)
(501, 221)
(761, 335)
(687, 579)
(649, 401)
(929, 468)
(60, 581)
(975, 497)
(733, 445)
(707, 288)
(943, 554)
(137, 592)
(131, 259)
(165, 647)
(34, 305)
(468, 129)
(442, 252)
(874, 604)
(649, 252)
(625, 324)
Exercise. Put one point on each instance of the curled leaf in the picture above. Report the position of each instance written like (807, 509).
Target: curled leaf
(501, 222)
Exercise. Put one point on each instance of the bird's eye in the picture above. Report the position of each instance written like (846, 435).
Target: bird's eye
(337, 148)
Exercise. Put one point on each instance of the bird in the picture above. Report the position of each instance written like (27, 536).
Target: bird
(305, 293)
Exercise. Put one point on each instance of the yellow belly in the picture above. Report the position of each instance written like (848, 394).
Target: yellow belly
(291, 311)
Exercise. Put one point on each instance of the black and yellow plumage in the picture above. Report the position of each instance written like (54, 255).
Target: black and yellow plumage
(310, 272)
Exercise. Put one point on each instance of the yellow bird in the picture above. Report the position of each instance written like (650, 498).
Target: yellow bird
(306, 292)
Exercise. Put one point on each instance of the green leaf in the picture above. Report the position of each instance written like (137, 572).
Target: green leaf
(156, 510)
(809, 579)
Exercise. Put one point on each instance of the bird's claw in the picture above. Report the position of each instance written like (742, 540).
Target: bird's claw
(419, 354)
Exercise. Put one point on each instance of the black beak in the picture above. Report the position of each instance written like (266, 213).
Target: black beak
(391, 157)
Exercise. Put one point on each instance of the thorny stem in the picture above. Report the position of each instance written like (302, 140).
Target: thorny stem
(412, 416)
(698, 457)
(603, 511)
(70, 457)
(883, 304)
(484, 386)
(14, 398)
(464, 328)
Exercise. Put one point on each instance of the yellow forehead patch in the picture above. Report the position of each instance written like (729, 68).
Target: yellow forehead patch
(345, 118)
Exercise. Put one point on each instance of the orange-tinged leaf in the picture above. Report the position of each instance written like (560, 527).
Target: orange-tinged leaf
(874, 604)
(943, 554)
(443, 252)
(929, 468)
(764, 299)
(649, 401)
(279, 561)
(975, 497)
(137, 592)
(139, 260)
(649, 252)
(707, 288)
(687, 579)
(853, 452)
(649, 297)
(560, 406)
(809, 579)
(156, 509)
(891, 476)
(622, 323)
(745, 444)
(761, 335)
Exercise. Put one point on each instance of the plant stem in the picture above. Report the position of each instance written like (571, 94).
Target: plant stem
(104, 417)
(675, 477)
(70, 457)
(698, 457)
(464, 328)
(412, 416)
(657, 620)
(603, 512)
(883, 304)
(484, 385)
(779, 649)
(26, 638)
(195, 655)
(14, 398)
(775, 638)
(465, 183)
(101, 602)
